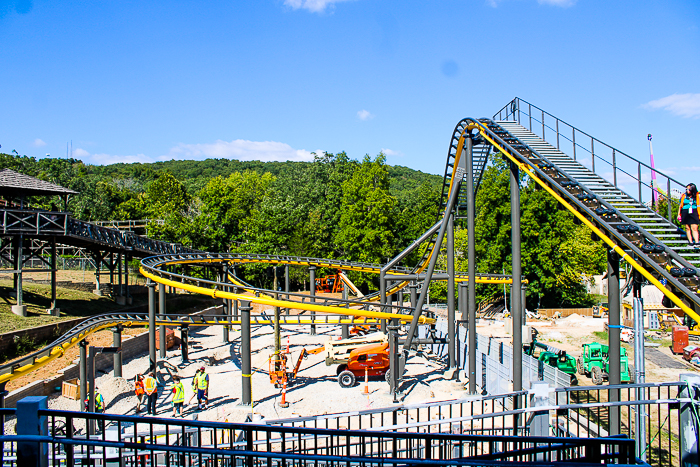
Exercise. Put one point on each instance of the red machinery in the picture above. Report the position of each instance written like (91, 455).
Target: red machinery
(329, 284)
(373, 357)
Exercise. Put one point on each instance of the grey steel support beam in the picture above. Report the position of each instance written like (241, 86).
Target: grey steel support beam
(641, 418)
(247, 388)
(97, 257)
(91, 388)
(429, 233)
(161, 329)
(394, 360)
(20, 308)
(345, 328)
(227, 306)
(234, 308)
(523, 303)
(120, 287)
(614, 338)
(413, 288)
(54, 305)
(312, 288)
(117, 342)
(184, 338)
(451, 350)
(470, 299)
(515, 305)
(382, 298)
(457, 177)
(151, 326)
(126, 280)
(83, 372)
(286, 282)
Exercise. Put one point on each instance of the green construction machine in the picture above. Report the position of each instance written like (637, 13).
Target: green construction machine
(552, 356)
(595, 363)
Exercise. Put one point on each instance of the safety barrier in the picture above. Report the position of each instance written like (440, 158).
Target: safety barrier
(52, 436)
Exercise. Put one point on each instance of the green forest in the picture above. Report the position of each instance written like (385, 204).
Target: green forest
(334, 207)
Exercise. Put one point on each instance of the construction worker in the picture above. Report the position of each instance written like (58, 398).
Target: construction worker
(99, 402)
(140, 392)
(178, 393)
(151, 388)
(194, 387)
(202, 389)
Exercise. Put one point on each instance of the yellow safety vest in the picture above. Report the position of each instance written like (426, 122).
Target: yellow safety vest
(150, 385)
(179, 393)
(99, 401)
(202, 381)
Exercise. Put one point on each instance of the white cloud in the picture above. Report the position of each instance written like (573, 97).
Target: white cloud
(364, 115)
(682, 105)
(240, 149)
(38, 143)
(243, 150)
(392, 153)
(315, 6)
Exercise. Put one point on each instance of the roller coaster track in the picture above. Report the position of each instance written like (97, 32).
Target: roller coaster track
(612, 215)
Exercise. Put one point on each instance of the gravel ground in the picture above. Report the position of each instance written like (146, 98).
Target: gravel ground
(315, 390)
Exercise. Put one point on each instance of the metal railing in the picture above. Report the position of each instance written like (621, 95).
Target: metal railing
(599, 157)
(579, 412)
(60, 438)
(129, 224)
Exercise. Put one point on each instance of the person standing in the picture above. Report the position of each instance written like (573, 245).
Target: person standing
(178, 393)
(140, 392)
(151, 389)
(688, 214)
(202, 389)
(194, 387)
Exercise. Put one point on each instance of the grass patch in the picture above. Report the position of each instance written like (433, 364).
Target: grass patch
(601, 336)
(37, 297)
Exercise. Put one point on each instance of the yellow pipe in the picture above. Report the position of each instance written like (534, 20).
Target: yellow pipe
(526, 168)
(282, 303)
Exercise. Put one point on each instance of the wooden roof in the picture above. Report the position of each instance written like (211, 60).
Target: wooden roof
(17, 185)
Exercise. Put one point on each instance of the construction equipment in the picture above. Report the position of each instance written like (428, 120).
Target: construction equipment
(371, 359)
(338, 352)
(334, 284)
(595, 363)
(600, 310)
(552, 356)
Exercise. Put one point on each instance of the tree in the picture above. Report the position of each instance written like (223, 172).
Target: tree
(367, 214)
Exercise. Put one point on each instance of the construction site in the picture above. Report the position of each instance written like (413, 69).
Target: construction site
(332, 376)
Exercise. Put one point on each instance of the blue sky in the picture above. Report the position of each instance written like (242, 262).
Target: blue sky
(276, 79)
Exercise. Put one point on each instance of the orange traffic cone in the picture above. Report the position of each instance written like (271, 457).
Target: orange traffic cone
(366, 391)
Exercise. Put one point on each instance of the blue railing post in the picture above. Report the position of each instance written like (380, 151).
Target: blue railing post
(29, 423)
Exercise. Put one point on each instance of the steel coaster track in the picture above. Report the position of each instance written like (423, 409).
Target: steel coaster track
(660, 265)
(56, 349)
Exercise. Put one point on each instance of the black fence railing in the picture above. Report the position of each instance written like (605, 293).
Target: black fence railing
(60, 439)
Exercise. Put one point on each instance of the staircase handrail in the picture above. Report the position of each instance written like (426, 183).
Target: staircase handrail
(515, 111)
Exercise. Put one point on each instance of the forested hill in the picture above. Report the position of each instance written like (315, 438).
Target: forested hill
(195, 174)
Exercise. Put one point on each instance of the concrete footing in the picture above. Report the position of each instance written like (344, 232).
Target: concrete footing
(98, 292)
(20, 310)
(120, 300)
(54, 311)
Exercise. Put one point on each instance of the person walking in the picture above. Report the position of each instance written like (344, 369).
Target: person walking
(202, 389)
(688, 214)
(194, 387)
(140, 392)
(178, 393)
(151, 389)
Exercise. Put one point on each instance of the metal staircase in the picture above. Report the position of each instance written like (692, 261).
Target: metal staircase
(635, 212)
